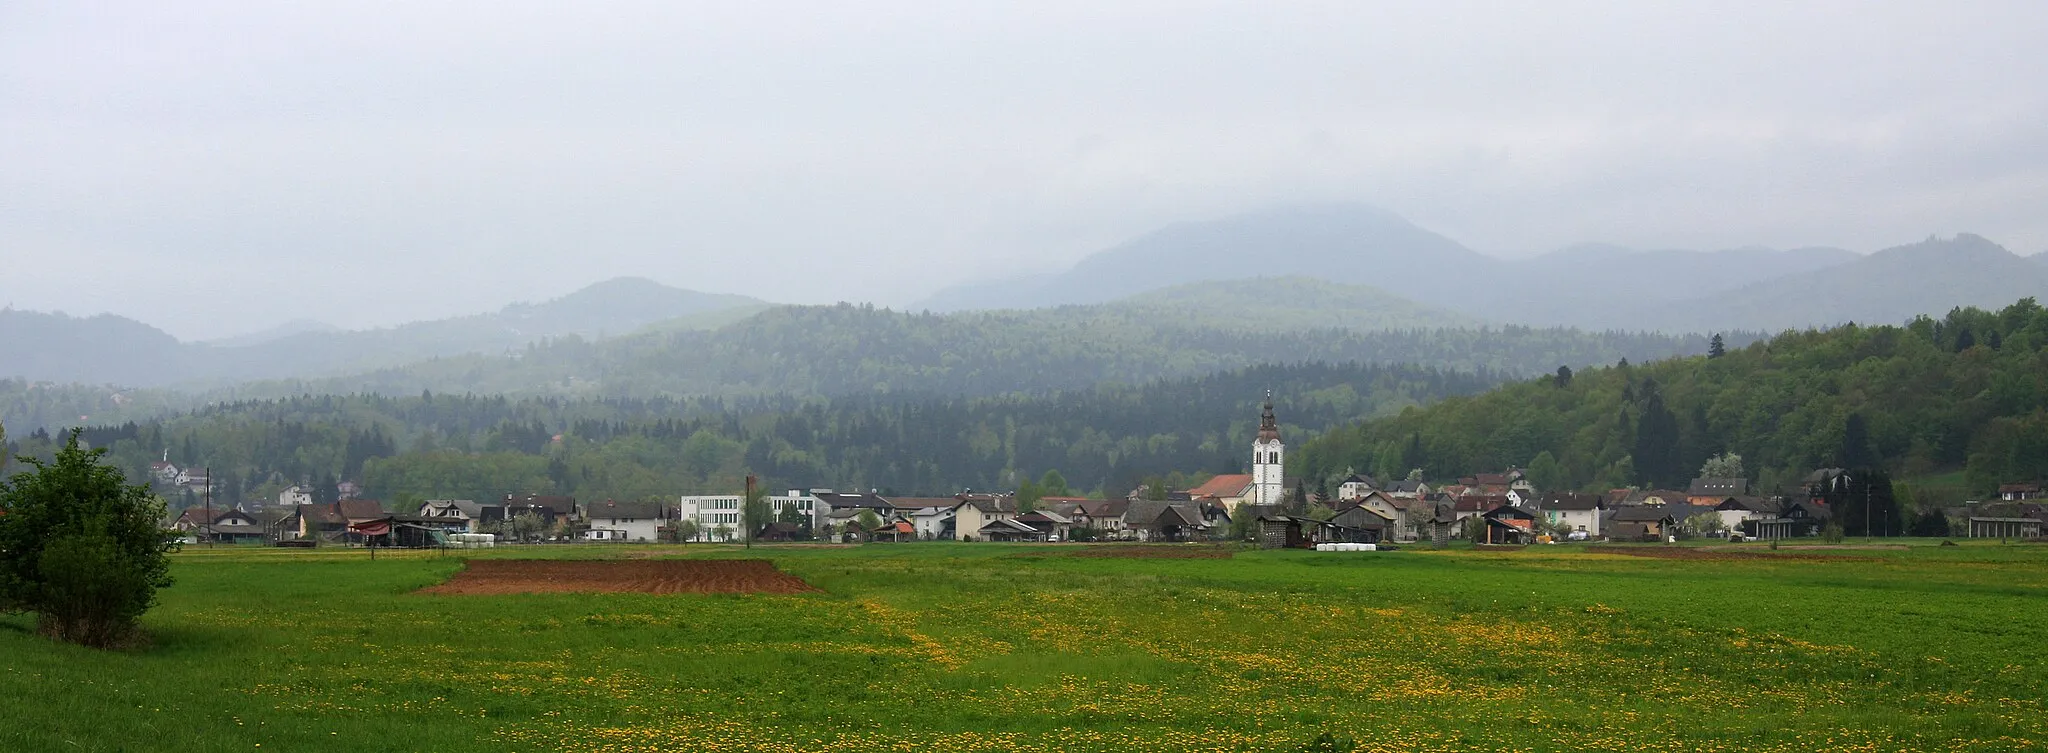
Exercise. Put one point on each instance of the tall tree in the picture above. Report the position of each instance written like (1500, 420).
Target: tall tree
(1717, 347)
(1656, 446)
(1856, 451)
(80, 547)
(1724, 465)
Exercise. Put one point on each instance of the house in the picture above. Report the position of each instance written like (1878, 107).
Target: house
(1157, 520)
(1795, 518)
(1475, 505)
(1408, 489)
(227, 526)
(1738, 511)
(974, 512)
(2017, 492)
(164, 472)
(1355, 486)
(626, 521)
(1055, 526)
(1509, 524)
(1228, 490)
(551, 509)
(1007, 529)
(293, 496)
(1106, 516)
(929, 517)
(321, 522)
(1641, 522)
(1521, 497)
(457, 515)
(1712, 491)
(894, 531)
(1573, 511)
(1377, 501)
(1360, 524)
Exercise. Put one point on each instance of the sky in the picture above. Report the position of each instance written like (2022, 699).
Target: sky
(217, 168)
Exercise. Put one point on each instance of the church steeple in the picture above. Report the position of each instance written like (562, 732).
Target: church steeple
(1269, 428)
(1268, 454)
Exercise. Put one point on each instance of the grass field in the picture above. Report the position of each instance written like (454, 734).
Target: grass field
(988, 647)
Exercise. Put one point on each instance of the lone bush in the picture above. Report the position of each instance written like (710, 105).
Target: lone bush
(81, 548)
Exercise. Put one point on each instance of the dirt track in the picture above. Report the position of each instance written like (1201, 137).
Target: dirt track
(620, 576)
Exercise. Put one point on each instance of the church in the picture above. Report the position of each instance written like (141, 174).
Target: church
(1269, 482)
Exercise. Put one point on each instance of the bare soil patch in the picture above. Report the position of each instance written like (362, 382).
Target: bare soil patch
(620, 576)
(1697, 553)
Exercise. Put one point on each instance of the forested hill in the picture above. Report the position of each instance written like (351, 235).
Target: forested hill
(431, 446)
(848, 350)
(1969, 391)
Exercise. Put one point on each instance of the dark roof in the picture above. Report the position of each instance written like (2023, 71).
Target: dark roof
(1750, 503)
(1105, 508)
(1405, 486)
(1481, 502)
(1010, 525)
(2018, 488)
(1718, 487)
(1154, 512)
(1510, 511)
(1360, 478)
(842, 500)
(908, 503)
(322, 515)
(360, 509)
(558, 505)
(1646, 513)
(987, 503)
(1572, 501)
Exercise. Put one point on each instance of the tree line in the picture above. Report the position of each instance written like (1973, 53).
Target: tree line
(1966, 392)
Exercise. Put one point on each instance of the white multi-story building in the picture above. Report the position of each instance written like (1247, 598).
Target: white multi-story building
(716, 513)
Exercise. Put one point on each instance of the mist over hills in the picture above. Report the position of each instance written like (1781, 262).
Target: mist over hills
(109, 349)
(1592, 286)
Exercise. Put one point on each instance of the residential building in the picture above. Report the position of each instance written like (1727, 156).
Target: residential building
(2017, 492)
(1053, 525)
(1163, 520)
(1575, 512)
(228, 525)
(1509, 524)
(929, 517)
(625, 521)
(1737, 512)
(458, 515)
(1355, 486)
(974, 512)
(549, 508)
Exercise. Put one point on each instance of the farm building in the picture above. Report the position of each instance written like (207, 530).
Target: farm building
(2005, 528)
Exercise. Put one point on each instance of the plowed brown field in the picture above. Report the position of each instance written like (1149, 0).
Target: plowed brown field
(620, 576)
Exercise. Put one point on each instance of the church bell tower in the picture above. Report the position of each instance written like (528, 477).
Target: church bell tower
(1268, 481)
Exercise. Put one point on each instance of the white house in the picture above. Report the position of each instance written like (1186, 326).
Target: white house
(1358, 485)
(624, 521)
(974, 511)
(1577, 512)
(293, 496)
(1736, 510)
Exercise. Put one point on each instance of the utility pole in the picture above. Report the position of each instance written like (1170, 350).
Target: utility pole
(747, 512)
(209, 506)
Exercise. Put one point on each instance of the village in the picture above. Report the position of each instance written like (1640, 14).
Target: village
(1490, 509)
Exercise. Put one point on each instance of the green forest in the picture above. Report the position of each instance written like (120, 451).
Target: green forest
(852, 350)
(1959, 402)
(469, 447)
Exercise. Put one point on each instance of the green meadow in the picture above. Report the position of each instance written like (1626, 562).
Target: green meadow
(991, 647)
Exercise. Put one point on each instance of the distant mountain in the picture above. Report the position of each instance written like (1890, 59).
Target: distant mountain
(114, 350)
(1287, 303)
(1350, 243)
(279, 332)
(1586, 285)
(1893, 285)
(95, 349)
(1591, 286)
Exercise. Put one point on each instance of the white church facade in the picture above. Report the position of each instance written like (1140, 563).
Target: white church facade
(1269, 481)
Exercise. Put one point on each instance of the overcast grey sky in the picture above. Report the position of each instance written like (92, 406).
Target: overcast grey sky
(214, 168)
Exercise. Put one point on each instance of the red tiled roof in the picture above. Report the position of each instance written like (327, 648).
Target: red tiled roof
(1226, 485)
